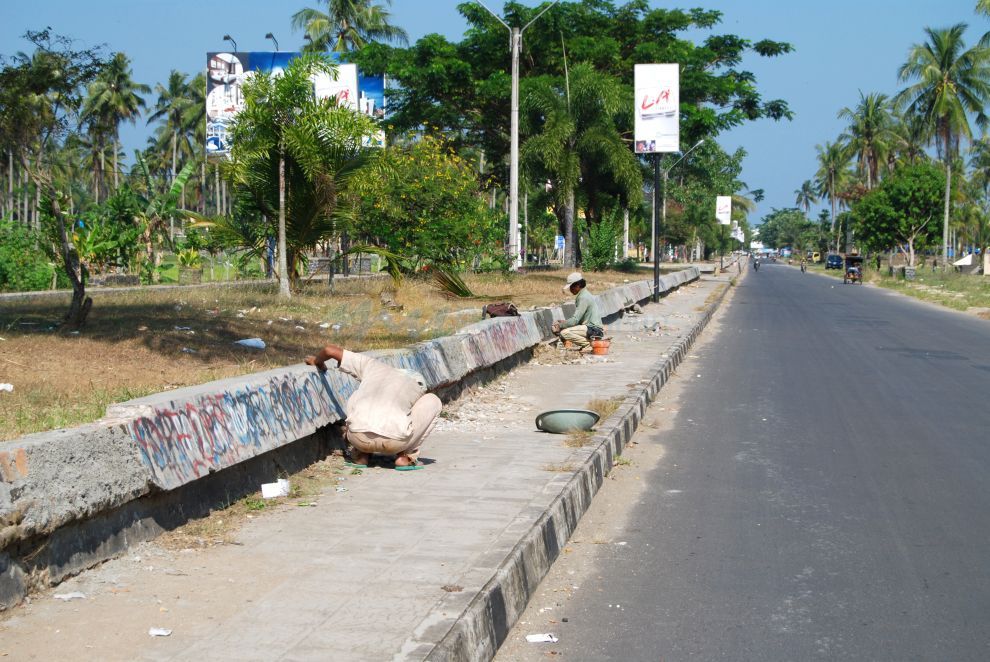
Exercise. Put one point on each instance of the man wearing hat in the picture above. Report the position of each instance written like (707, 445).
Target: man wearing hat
(586, 322)
(389, 414)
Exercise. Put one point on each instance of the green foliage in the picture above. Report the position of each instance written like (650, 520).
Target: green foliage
(788, 227)
(421, 201)
(24, 266)
(320, 145)
(463, 87)
(627, 266)
(903, 210)
(603, 238)
(189, 258)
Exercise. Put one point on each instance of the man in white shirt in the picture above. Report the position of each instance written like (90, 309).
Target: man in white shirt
(390, 413)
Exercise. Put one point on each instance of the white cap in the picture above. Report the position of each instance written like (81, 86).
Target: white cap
(571, 279)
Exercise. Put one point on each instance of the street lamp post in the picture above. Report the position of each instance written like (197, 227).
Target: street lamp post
(274, 40)
(515, 43)
(227, 37)
(662, 215)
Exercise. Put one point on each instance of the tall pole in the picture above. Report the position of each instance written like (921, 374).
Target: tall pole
(514, 154)
(656, 223)
(515, 36)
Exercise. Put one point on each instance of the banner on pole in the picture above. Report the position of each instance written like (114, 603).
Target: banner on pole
(657, 111)
(723, 209)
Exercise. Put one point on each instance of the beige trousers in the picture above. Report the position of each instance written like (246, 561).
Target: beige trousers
(424, 415)
(578, 335)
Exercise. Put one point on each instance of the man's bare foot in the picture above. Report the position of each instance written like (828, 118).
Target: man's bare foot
(404, 461)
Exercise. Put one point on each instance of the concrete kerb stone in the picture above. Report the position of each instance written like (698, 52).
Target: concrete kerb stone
(477, 631)
(171, 440)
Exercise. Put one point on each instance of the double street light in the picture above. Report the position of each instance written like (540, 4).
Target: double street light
(657, 214)
(515, 43)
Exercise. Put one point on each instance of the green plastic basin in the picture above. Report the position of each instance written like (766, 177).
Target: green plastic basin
(562, 421)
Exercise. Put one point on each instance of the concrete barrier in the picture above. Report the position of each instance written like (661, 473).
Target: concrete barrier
(173, 440)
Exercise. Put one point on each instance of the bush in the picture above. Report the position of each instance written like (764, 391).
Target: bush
(423, 203)
(599, 254)
(24, 267)
(627, 266)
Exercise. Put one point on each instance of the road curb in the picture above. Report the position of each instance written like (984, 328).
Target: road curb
(482, 624)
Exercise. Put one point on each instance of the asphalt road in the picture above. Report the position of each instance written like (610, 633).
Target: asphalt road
(824, 493)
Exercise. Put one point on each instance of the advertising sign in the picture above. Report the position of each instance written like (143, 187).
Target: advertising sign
(723, 209)
(657, 112)
(226, 72)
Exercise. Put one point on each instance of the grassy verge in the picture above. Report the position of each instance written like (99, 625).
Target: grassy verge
(953, 290)
(140, 342)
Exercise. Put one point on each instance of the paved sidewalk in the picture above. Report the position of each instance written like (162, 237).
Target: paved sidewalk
(379, 571)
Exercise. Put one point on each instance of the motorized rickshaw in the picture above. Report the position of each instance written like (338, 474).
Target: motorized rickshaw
(854, 269)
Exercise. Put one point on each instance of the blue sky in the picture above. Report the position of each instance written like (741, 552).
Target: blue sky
(842, 46)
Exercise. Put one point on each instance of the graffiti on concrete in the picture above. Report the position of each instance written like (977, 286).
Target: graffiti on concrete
(186, 440)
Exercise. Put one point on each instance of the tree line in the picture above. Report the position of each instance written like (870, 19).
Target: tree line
(436, 195)
(907, 175)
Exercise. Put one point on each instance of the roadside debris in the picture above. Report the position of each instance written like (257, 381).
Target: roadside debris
(9, 388)
(279, 488)
(188, 350)
(65, 597)
(159, 632)
(253, 343)
(545, 638)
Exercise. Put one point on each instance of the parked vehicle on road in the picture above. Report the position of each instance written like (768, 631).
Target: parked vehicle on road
(833, 261)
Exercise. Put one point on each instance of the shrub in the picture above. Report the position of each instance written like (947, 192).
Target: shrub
(600, 251)
(24, 266)
(423, 202)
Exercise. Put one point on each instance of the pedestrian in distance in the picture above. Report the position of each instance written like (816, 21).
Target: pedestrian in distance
(390, 413)
(585, 324)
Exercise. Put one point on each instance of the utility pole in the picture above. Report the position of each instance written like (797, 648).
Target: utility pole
(515, 44)
(662, 214)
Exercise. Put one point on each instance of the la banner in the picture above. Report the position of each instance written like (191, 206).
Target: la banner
(657, 113)
(723, 209)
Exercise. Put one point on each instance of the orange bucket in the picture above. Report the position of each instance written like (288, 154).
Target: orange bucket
(600, 347)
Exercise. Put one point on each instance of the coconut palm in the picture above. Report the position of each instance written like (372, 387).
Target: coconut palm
(869, 134)
(113, 98)
(909, 138)
(951, 83)
(173, 107)
(347, 25)
(833, 164)
(806, 196)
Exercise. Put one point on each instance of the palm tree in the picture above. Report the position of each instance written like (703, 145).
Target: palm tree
(574, 139)
(833, 164)
(869, 134)
(909, 137)
(806, 196)
(173, 106)
(113, 98)
(952, 82)
(346, 25)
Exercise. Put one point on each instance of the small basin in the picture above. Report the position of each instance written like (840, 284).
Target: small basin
(561, 421)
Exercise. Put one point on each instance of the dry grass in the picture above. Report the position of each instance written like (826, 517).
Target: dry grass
(578, 438)
(564, 467)
(604, 407)
(136, 342)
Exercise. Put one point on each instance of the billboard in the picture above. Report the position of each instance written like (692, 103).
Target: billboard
(723, 209)
(657, 111)
(226, 73)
